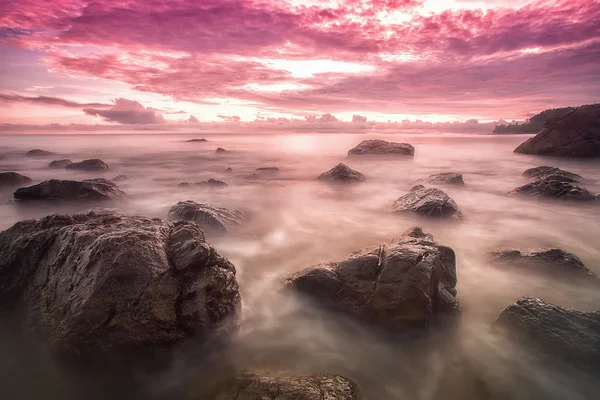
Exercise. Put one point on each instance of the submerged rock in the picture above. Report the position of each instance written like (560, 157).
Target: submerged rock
(39, 153)
(341, 173)
(291, 386)
(228, 169)
(555, 189)
(196, 140)
(404, 283)
(93, 164)
(212, 183)
(220, 150)
(575, 134)
(184, 184)
(253, 175)
(565, 334)
(64, 163)
(429, 202)
(212, 219)
(120, 178)
(11, 179)
(544, 172)
(447, 178)
(381, 147)
(100, 282)
(56, 189)
(268, 169)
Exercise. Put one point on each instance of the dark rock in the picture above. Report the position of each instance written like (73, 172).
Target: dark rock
(184, 184)
(555, 189)
(416, 187)
(196, 140)
(93, 164)
(429, 202)
(565, 334)
(220, 150)
(341, 173)
(268, 169)
(56, 189)
(382, 147)
(39, 153)
(212, 183)
(551, 173)
(120, 178)
(64, 163)
(100, 282)
(11, 179)
(228, 169)
(446, 178)
(291, 386)
(404, 283)
(212, 219)
(575, 134)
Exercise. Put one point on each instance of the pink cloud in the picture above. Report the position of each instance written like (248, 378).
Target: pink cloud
(46, 100)
(128, 112)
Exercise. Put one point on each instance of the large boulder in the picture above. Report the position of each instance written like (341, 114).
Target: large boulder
(214, 220)
(291, 386)
(575, 134)
(39, 153)
(99, 282)
(551, 173)
(93, 164)
(11, 179)
(382, 147)
(341, 173)
(56, 189)
(565, 334)
(555, 189)
(64, 163)
(444, 178)
(429, 202)
(401, 284)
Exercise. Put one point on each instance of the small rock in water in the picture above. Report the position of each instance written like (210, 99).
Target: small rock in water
(196, 140)
(555, 189)
(228, 169)
(210, 218)
(341, 173)
(220, 150)
(120, 178)
(212, 183)
(11, 179)
(551, 173)
(58, 190)
(93, 164)
(268, 169)
(39, 153)
(253, 175)
(382, 147)
(428, 202)
(64, 163)
(447, 178)
(184, 184)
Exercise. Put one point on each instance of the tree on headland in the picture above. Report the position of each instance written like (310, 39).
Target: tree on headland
(533, 124)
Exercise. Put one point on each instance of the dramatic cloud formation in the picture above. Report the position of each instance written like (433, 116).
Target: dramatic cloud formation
(127, 112)
(45, 100)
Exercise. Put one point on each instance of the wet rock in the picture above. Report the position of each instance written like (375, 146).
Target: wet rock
(215, 183)
(67, 190)
(428, 202)
(341, 173)
(551, 173)
(220, 150)
(184, 184)
(120, 178)
(102, 282)
(268, 169)
(39, 153)
(12, 179)
(214, 220)
(291, 386)
(64, 163)
(561, 333)
(228, 169)
(416, 187)
(196, 140)
(381, 147)
(575, 134)
(93, 164)
(444, 178)
(404, 283)
(555, 189)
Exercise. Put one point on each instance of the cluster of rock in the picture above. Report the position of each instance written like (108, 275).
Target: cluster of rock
(552, 182)
(213, 183)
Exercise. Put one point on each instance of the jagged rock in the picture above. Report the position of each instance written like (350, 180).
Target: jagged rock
(212, 183)
(382, 147)
(290, 386)
(93, 164)
(556, 189)
(64, 163)
(551, 173)
(268, 169)
(341, 173)
(575, 134)
(565, 334)
(216, 220)
(220, 150)
(429, 202)
(39, 153)
(446, 178)
(56, 189)
(404, 283)
(196, 140)
(101, 282)
(11, 179)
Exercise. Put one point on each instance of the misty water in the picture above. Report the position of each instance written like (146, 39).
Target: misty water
(295, 221)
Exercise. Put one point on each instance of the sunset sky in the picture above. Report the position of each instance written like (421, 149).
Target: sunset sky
(158, 61)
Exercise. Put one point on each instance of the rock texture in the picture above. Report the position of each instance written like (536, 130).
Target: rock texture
(382, 147)
(429, 202)
(56, 189)
(99, 282)
(404, 283)
(290, 386)
(341, 173)
(215, 183)
(444, 178)
(555, 189)
(568, 335)
(93, 164)
(64, 163)
(551, 173)
(210, 218)
(11, 179)
(39, 153)
(575, 134)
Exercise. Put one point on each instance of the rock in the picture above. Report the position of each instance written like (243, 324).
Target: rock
(268, 169)
(551, 260)
(382, 147)
(215, 220)
(253, 175)
(575, 134)
(551, 173)
(291, 386)
(120, 178)
(64, 163)
(93, 164)
(184, 184)
(228, 169)
(56, 189)
(429, 202)
(220, 150)
(100, 282)
(196, 140)
(555, 189)
(446, 178)
(565, 334)
(341, 173)
(404, 283)
(39, 153)
(212, 183)
(11, 179)
(416, 187)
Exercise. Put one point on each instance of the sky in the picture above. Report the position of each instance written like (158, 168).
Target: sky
(156, 62)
